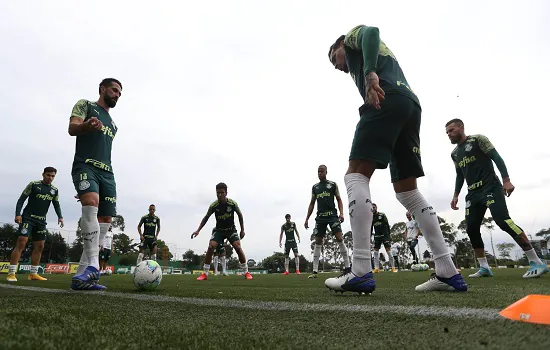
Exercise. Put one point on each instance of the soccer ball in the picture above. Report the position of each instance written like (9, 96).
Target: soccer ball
(108, 272)
(415, 267)
(425, 267)
(147, 275)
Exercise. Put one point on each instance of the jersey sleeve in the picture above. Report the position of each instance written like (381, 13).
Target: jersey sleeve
(367, 41)
(26, 193)
(80, 109)
(158, 221)
(312, 192)
(236, 207)
(484, 144)
(336, 190)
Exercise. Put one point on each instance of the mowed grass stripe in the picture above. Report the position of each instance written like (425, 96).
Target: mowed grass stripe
(441, 311)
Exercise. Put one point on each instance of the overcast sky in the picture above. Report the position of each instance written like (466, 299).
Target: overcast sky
(243, 92)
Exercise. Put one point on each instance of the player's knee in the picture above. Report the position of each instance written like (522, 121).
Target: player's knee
(476, 240)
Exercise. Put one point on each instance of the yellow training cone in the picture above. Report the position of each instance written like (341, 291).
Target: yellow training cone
(533, 309)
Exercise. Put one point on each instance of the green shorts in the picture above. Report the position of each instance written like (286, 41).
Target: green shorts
(147, 242)
(104, 254)
(87, 179)
(379, 242)
(30, 228)
(291, 245)
(321, 226)
(219, 236)
(390, 135)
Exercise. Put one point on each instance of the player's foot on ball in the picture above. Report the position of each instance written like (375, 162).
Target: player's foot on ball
(314, 275)
(375, 271)
(393, 269)
(36, 277)
(298, 272)
(536, 270)
(440, 284)
(202, 277)
(11, 277)
(483, 272)
(285, 273)
(349, 282)
(247, 275)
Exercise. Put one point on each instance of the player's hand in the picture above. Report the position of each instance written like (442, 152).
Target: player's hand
(242, 234)
(60, 222)
(18, 219)
(306, 225)
(508, 188)
(194, 234)
(341, 217)
(454, 203)
(280, 245)
(374, 93)
(141, 238)
(93, 124)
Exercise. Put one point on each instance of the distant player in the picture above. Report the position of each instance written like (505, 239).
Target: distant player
(93, 176)
(105, 250)
(150, 234)
(388, 132)
(324, 192)
(224, 210)
(219, 258)
(381, 228)
(33, 221)
(395, 254)
(289, 228)
(473, 158)
(413, 231)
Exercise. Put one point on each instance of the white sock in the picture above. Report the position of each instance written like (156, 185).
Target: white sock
(90, 234)
(12, 269)
(206, 268)
(34, 269)
(360, 213)
(426, 216)
(483, 262)
(392, 260)
(297, 263)
(140, 258)
(224, 264)
(532, 256)
(153, 257)
(244, 266)
(344, 252)
(287, 262)
(316, 255)
(376, 260)
(83, 263)
(215, 262)
(103, 228)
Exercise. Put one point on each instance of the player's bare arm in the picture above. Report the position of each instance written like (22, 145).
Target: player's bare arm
(19, 206)
(340, 207)
(281, 239)
(459, 182)
(241, 222)
(77, 125)
(309, 211)
(297, 234)
(203, 222)
(158, 230)
(139, 229)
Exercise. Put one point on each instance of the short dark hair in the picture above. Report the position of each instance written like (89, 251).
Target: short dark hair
(324, 166)
(455, 121)
(50, 169)
(336, 44)
(107, 82)
(287, 216)
(221, 186)
(152, 205)
(374, 204)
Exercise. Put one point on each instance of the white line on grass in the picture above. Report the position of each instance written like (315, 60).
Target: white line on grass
(442, 311)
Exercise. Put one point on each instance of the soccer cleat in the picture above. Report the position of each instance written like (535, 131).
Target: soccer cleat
(536, 270)
(483, 272)
(440, 284)
(375, 271)
(11, 277)
(349, 282)
(87, 280)
(247, 275)
(314, 275)
(298, 272)
(202, 277)
(393, 269)
(86, 286)
(225, 273)
(36, 277)
(216, 273)
(285, 273)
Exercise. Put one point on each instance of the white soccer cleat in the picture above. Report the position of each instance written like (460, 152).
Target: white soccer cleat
(536, 270)
(483, 272)
(439, 284)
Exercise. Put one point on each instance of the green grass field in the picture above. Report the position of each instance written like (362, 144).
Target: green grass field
(269, 312)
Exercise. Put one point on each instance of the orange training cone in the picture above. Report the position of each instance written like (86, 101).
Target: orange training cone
(533, 309)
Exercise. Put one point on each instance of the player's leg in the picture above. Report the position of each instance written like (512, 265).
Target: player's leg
(153, 249)
(405, 168)
(499, 211)
(38, 240)
(215, 261)
(224, 262)
(396, 261)
(336, 228)
(412, 245)
(141, 252)
(212, 245)
(235, 241)
(391, 260)
(296, 258)
(287, 258)
(319, 233)
(377, 244)
(475, 212)
(22, 238)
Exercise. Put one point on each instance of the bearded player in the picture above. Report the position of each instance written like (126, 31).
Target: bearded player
(381, 228)
(388, 132)
(473, 158)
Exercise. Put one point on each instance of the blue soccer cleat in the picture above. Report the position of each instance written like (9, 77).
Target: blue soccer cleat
(87, 280)
(536, 270)
(349, 282)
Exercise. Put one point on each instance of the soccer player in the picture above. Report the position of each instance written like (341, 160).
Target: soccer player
(224, 209)
(381, 228)
(473, 157)
(148, 238)
(324, 193)
(93, 176)
(387, 132)
(395, 254)
(105, 251)
(33, 221)
(289, 228)
(413, 231)
(219, 257)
